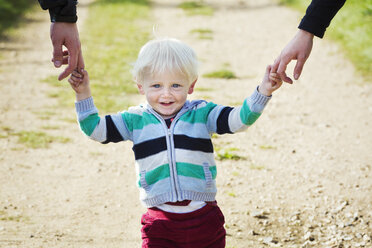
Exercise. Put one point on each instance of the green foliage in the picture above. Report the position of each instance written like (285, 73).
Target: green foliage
(232, 194)
(266, 147)
(33, 139)
(256, 167)
(203, 89)
(12, 11)
(224, 73)
(111, 40)
(352, 28)
(62, 92)
(203, 33)
(227, 154)
(196, 8)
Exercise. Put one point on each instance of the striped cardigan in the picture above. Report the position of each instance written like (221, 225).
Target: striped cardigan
(176, 163)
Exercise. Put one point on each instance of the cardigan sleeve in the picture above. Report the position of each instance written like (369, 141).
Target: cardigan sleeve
(111, 128)
(224, 119)
(319, 15)
(60, 10)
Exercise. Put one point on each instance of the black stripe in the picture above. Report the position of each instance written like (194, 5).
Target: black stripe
(194, 144)
(223, 121)
(150, 147)
(113, 134)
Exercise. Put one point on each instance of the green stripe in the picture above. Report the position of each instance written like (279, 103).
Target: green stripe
(89, 124)
(194, 170)
(199, 115)
(247, 116)
(157, 174)
(135, 121)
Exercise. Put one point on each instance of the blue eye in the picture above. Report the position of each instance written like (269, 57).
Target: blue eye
(176, 85)
(155, 86)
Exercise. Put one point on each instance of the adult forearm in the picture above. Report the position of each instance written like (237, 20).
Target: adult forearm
(319, 15)
(60, 10)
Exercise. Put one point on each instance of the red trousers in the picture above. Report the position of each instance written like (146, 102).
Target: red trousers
(202, 228)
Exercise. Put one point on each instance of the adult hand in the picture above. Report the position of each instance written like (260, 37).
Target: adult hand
(66, 34)
(299, 48)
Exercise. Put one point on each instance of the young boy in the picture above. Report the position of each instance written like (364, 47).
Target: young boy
(172, 143)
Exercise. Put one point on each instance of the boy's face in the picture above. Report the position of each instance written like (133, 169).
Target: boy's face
(166, 92)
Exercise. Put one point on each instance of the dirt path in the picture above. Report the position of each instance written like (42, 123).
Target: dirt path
(305, 180)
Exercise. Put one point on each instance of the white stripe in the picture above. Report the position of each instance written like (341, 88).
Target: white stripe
(235, 123)
(100, 132)
(152, 162)
(148, 132)
(195, 130)
(194, 157)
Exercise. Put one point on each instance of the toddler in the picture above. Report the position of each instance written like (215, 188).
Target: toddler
(172, 142)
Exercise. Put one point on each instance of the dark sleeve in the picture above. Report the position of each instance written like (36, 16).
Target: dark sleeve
(319, 15)
(60, 10)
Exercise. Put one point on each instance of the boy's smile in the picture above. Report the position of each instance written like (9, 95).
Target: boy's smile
(166, 92)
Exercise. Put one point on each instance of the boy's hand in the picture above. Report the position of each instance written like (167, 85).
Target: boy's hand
(270, 82)
(79, 82)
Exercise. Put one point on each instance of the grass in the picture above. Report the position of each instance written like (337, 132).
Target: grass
(112, 36)
(232, 194)
(267, 147)
(32, 139)
(227, 154)
(17, 218)
(196, 8)
(12, 12)
(62, 92)
(352, 29)
(203, 89)
(44, 115)
(203, 33)
(256, 167)
(50, 127)
(5, 132)
(223, 73)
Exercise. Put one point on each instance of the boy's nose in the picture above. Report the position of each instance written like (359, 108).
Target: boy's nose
(166, 91)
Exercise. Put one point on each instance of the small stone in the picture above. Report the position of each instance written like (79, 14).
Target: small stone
(309, 236)
(366, 238)
(267, 240)
(32, 236)
(347, 238)
(260, 214)
(2, 228)
(341, 207)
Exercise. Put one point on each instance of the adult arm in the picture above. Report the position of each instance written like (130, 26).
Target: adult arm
(319, 15)
(60, 10)
(316, 20)
(64, 32)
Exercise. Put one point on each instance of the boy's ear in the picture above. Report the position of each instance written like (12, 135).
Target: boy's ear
(140, 89)
(191, 89)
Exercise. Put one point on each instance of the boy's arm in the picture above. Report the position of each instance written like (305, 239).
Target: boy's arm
(111, 128)
(224, 119)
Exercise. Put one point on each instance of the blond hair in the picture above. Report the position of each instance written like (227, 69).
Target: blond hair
(166, 55)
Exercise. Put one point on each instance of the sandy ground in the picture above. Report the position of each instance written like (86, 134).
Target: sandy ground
(305, 180)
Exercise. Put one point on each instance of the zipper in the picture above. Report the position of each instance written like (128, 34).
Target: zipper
(170, 145)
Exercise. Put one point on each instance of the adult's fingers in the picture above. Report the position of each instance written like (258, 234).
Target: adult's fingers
(57, 54)
(81, 64)
(281, 70)
(72, 63)
(298, 68)
(65, 57)
(275, 66)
